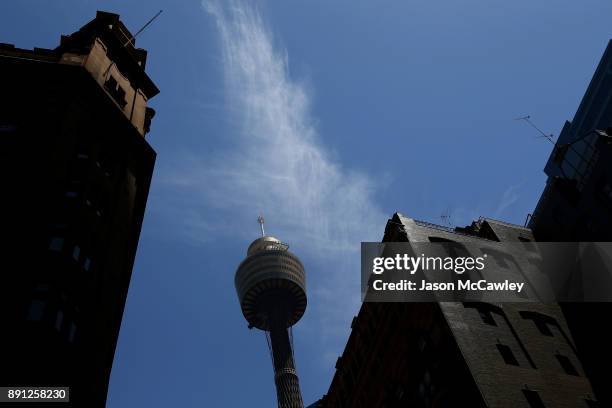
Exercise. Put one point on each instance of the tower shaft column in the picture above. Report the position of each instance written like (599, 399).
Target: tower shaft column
(287, 384)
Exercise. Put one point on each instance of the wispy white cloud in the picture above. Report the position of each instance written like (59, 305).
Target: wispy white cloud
(277, 165)
(509, 197)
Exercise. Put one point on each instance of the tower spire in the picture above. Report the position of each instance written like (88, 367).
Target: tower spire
(261, 221)
(271, 287)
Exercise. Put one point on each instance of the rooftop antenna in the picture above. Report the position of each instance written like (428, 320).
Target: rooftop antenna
(261, 221)
(446, 217)
(544, 135)
(131, 40)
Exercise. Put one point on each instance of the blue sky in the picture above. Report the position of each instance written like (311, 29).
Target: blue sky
(327, 116)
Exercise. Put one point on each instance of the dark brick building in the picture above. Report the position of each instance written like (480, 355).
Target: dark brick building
(576, 205)
(75, 171)
(451, 354)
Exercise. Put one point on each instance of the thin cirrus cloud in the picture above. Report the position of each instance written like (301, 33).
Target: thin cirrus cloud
(277, 165)
(509, 197)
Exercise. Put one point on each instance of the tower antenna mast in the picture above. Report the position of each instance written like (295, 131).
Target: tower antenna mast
(261, 221)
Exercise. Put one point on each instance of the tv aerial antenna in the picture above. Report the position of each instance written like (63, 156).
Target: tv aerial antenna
(527, 118)
(131, 40)
(446, 217)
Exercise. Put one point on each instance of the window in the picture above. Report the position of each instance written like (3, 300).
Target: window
(37, 310)
(533, 398)
(543, 327)
(567, 365)
(116, 91)
(7, 128)
(72, 194)
(111, 84)
(42, 288)
(58, 226)
(486, 312)
(76, 252)
(120, 96)
(72, 333)
(507, 354)
(543, 322)
(59, 320)
(87, 264)
(56, 244)
(487, 317)
(439, 239)
(605, 190)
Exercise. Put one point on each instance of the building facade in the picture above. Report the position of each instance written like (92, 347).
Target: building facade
(576, 205)
(75, 171)
(453, 354)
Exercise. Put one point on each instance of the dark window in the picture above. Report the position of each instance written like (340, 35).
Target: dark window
(76, 252)
(484, 311)
(543, 327)
(605, 190)
(72, 333)
(120, 96)
(439, 239)
(533, 398)
(37, 310)
(7, 128)
(42, 288)
(59, 319)
(56, 244)
(111, 84)
(507, 354)
(116, 91)
(487, 317)
(567, 365)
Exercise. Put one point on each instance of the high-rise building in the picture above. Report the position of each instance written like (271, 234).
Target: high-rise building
(271, 286)
(576, 205)
(459, 354)
(75, 171)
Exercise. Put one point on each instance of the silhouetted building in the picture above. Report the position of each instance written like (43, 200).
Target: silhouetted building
(576, 205)
(75, 171)
(453, 354)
